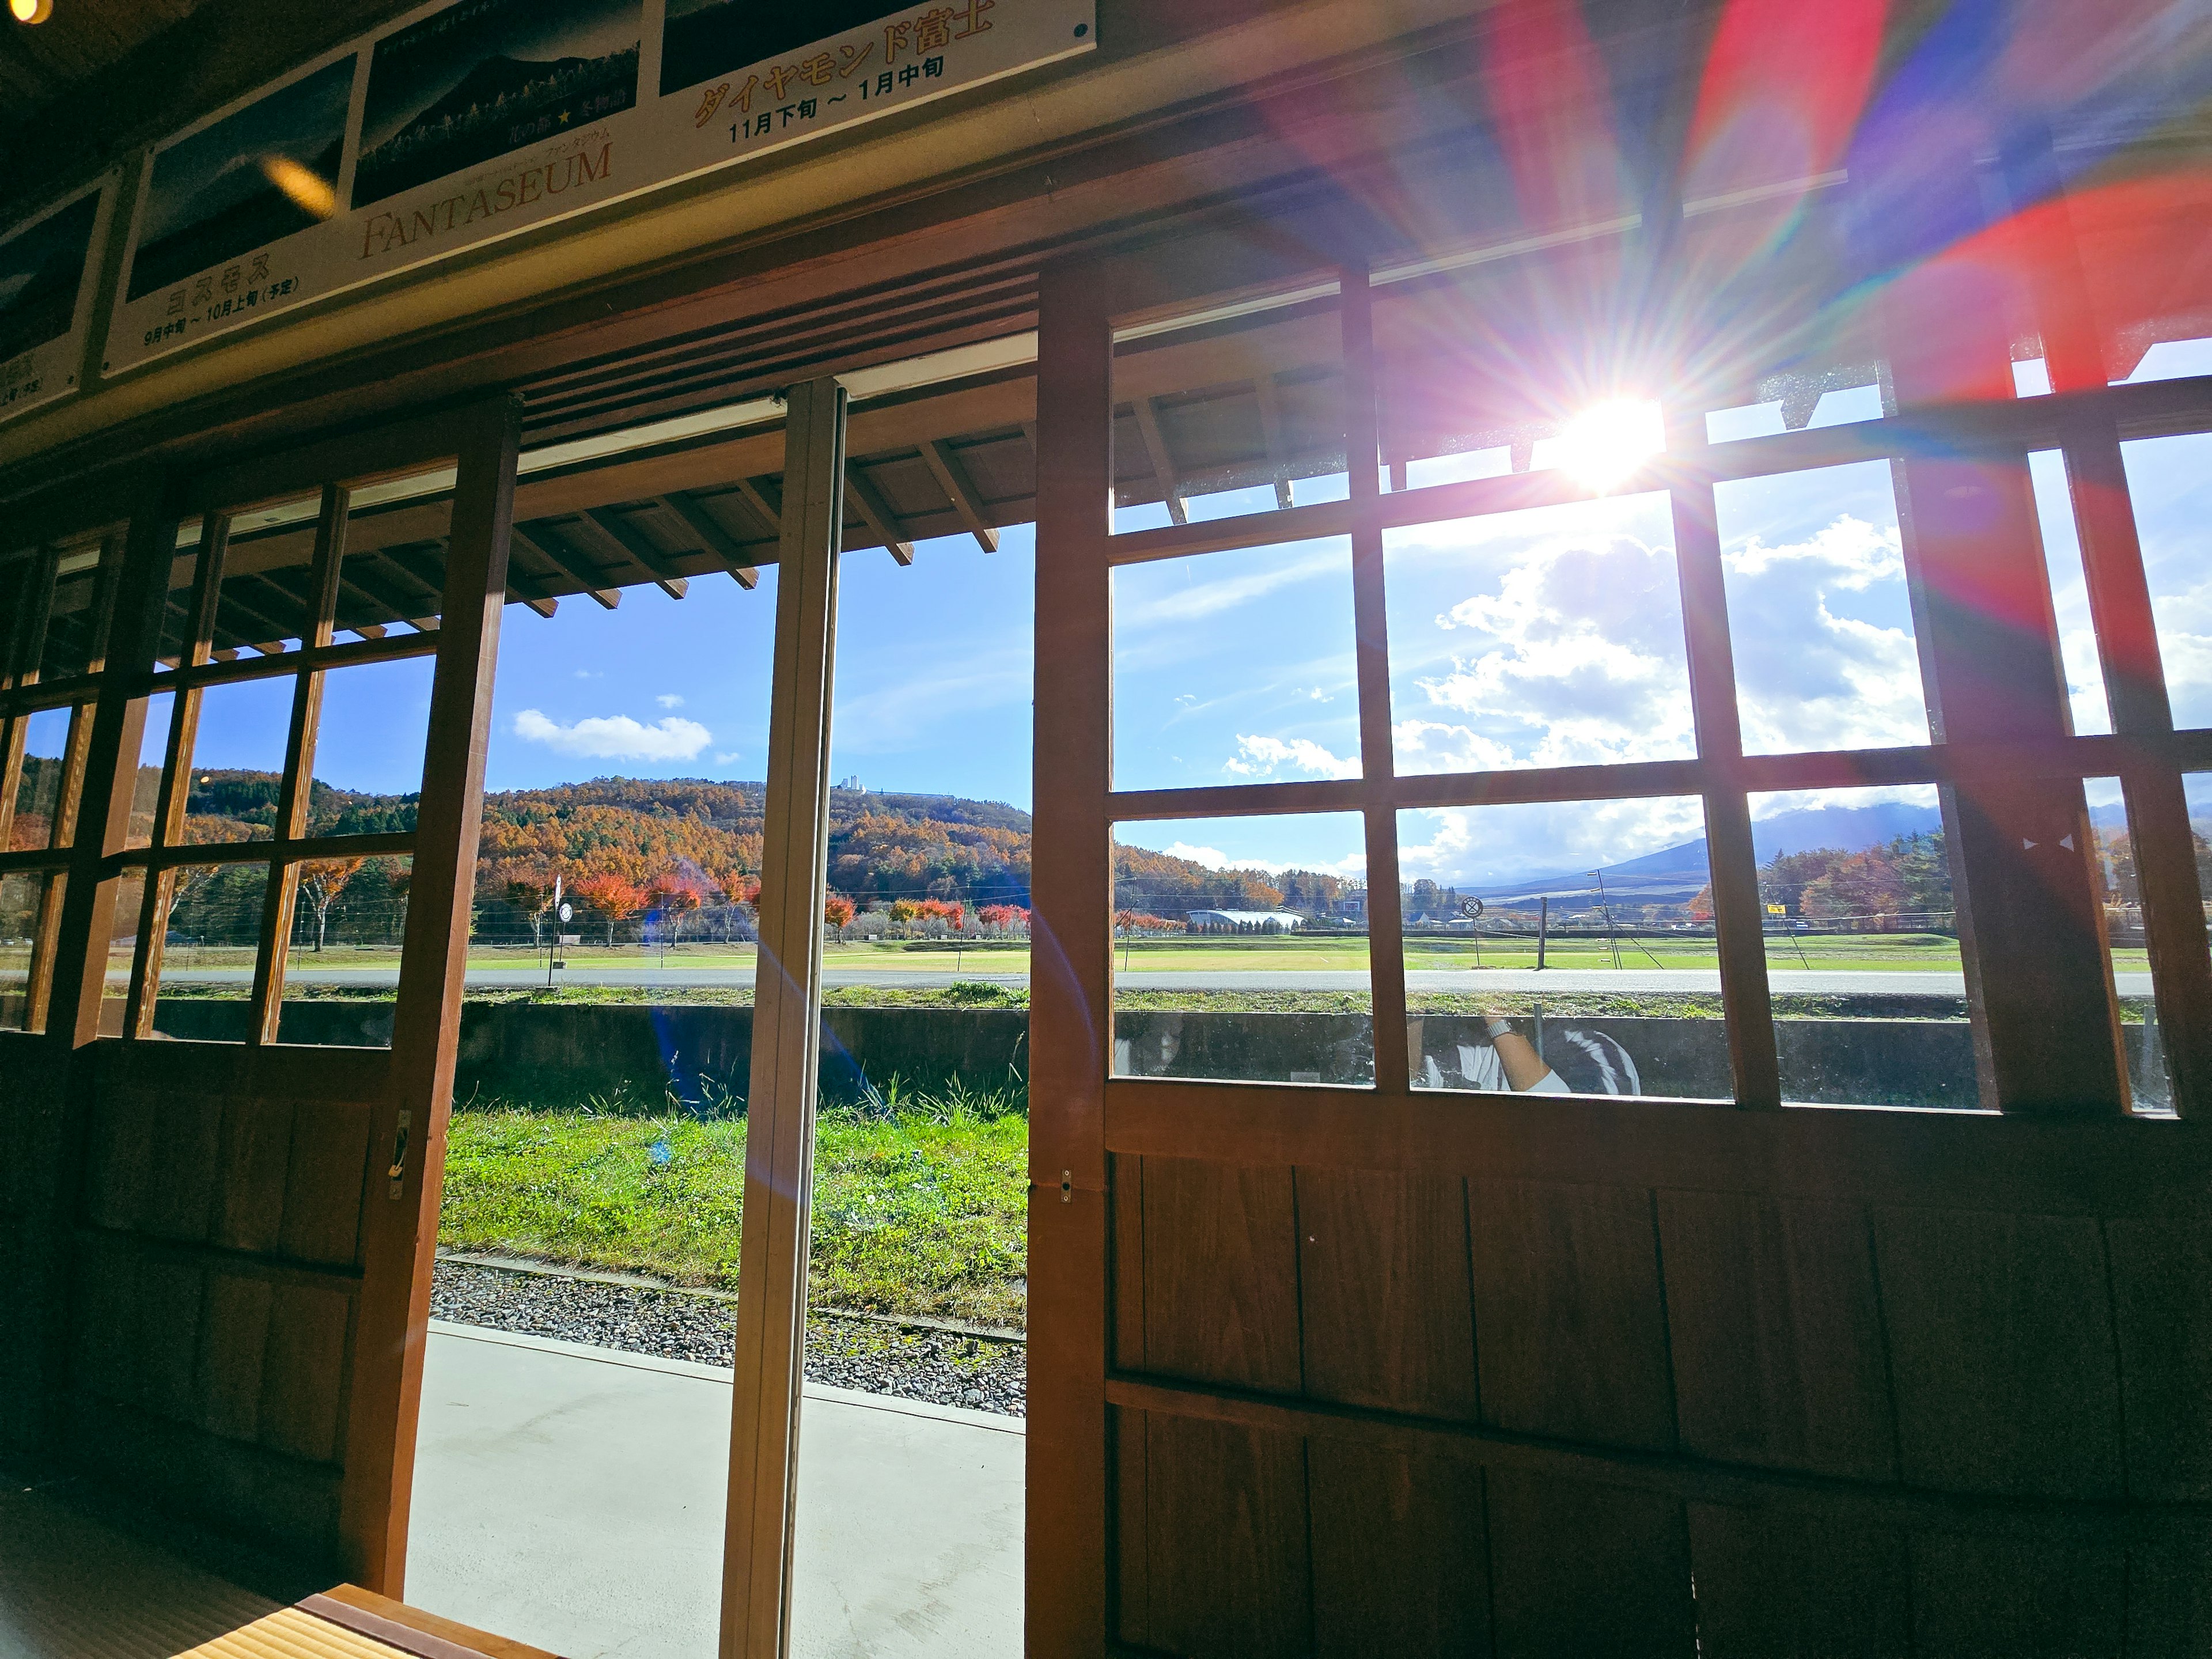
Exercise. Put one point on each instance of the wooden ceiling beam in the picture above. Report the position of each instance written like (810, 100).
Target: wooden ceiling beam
(547, 545)
(959, 491)
(716, 539)
(632, 540)
(877, 515)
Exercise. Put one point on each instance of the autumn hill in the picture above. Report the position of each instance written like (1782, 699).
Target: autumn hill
(704, 837)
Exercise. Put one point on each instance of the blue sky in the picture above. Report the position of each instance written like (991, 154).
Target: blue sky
(1540, 638)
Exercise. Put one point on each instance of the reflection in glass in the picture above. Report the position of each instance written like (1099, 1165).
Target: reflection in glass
(342, 968)
(210, 943)
(41, 820)
(1562, 948)
(1201, 904)
(1236, 667)
(375, 725)
(1803, 405)
(1862, 948)
(1818, 615)
(1550, 637)
(237, 762)
(2070, 592)
(2170, 482)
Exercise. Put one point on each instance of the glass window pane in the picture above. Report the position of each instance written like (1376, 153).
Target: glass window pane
(238, 761)
(2170, 482)
(1240, 950)
(342, 969)
(2070, 592)
(369, 751)
(393, 578)
(1222, 413)
(39, 820)
(123, 930)
(23, 901)
(1550, 637)
(153, 753)
(1236, 667)
(1793, 403)
(1562, 948)
(1863, 949)
(211, 942)
(1818, 615)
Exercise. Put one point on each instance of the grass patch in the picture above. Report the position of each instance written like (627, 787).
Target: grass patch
(920, 1209)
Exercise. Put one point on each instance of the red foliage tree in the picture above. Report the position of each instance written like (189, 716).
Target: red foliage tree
(836, 909)
(616, 898)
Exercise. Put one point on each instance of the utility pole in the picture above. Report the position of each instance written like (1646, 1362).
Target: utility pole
(1543, 928)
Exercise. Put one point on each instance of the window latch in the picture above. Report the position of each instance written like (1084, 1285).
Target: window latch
(398, 1170)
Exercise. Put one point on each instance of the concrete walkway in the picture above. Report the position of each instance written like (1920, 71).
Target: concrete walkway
(572, 1498)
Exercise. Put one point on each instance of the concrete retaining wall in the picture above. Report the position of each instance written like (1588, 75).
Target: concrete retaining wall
(516, 1049)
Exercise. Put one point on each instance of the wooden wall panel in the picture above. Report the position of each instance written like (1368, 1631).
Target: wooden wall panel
(124, 1134)
(303, 1372)
(178, 1202)
(1225, 1540)
(1570, 1326)
(2162, 1308)
(104, 1323)
(1992, 1597)
(233, 1338)
(327, 1167)
(1132, 1592)
(1128, 1177)
(170, 1297)
(1385, 1293)
(2001, 1347)
(1221, 1275)
(1788, 1587)
(1775, 1333)
(256, 1152)
(290, 1505)
(1401, 1560)
(2170, 1591)
(1587, 1569)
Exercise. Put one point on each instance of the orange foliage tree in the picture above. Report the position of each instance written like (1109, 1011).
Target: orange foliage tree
(616, 898)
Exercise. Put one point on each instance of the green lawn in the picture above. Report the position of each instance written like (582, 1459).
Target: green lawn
(911, 1215)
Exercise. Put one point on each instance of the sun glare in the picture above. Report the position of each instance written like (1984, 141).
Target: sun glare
(1603, 445)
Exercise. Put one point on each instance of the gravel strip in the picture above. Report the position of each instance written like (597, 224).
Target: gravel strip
(981, 1373)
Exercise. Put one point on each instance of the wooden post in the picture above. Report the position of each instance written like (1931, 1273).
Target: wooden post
(1386, 951)
(2038, 975)
(1071, 975)
(407, 1133)
(786, 1036)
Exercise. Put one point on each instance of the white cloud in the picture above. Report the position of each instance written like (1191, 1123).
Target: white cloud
(1212, 857)
(615, 737)
(730, 759)
(1259, 756)
(669, 699)
(591, 673)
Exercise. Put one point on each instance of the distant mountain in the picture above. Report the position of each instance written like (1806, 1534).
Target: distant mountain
(1672, 875)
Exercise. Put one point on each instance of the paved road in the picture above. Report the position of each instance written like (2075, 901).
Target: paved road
(1896, 982)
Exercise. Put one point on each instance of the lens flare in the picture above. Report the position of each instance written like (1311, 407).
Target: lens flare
(31, 11)
(308, 192)
(1604, 444)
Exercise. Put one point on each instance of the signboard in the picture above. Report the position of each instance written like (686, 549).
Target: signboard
(46, 297)
(473, 119)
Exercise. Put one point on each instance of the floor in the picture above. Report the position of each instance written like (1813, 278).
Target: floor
(572, 1498)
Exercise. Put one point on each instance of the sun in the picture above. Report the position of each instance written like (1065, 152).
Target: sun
(1605, 443)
